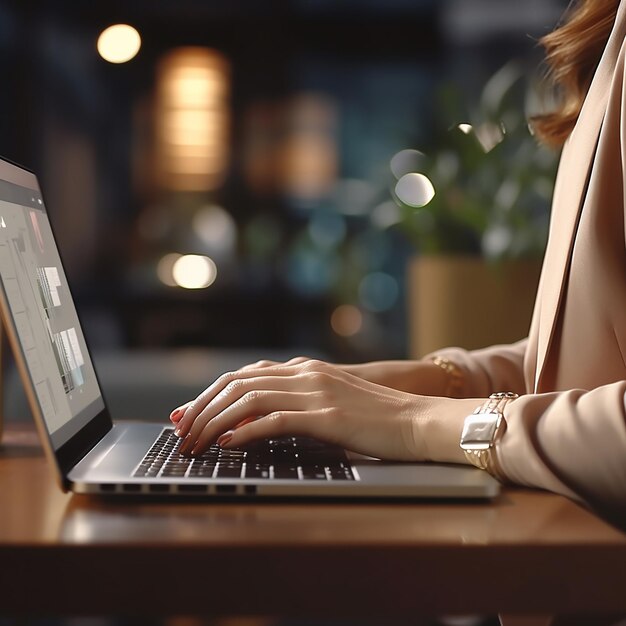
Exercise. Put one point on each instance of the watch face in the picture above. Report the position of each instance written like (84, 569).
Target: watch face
(479, 431)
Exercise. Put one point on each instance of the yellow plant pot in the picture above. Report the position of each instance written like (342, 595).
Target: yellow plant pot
(467, 302)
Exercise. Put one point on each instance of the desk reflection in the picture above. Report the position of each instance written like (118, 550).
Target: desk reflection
(92, 520)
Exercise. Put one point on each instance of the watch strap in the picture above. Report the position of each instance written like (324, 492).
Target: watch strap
(482, 429)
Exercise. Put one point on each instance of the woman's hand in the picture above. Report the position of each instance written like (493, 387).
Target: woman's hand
(311, 398)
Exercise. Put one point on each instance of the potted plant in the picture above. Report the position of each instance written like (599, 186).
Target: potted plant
(476, 208)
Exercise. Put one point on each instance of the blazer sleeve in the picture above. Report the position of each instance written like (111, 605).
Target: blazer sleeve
(485, 371)
(570, 442)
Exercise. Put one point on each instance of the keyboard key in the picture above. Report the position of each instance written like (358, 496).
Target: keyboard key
(286, 471)
(284, 458)
(203, 471)
(257, 470)
(224, 471)
(313, 472)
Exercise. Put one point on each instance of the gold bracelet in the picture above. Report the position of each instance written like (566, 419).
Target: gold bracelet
(456, 380)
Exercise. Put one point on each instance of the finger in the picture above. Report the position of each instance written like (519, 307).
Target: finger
(198, 405)
(297, 360)
(277, 424)
(252, 404)
(259, 365)
(313, 376)
(178, 413)
(265, 363)
(233, 391)
(246, 421)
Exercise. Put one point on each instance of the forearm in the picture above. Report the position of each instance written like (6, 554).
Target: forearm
(482, 372)
(418, 377)
(488, 370)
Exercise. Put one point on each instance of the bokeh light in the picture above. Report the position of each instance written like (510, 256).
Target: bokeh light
(165, 269)
(496, 241)
(308, 158)
(447, 166)
(327, 230)
(119, 43)
(309, 273)
(507, 194)
(378, 292)
(407, 161)
(193, 271)
(416, 190)
(354, 196)
(385, 215)
(346, 320)
(217, 229)
(488, 135)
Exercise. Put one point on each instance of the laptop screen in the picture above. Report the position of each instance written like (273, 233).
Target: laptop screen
(40, 305)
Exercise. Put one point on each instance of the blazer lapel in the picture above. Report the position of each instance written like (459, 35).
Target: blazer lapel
(569, 195)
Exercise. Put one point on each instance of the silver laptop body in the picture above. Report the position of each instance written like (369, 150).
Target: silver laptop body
(93, 454)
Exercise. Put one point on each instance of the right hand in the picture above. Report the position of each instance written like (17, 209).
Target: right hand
(309, 398)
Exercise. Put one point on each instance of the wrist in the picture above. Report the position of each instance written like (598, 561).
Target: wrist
(439, 426)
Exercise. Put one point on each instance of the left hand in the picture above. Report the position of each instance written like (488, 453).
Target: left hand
(305, 397)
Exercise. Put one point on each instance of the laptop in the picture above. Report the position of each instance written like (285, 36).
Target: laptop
(93, 454)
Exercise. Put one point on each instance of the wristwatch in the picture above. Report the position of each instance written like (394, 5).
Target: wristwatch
(482, 429)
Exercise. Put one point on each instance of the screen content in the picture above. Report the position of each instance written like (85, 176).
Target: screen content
(45, 317)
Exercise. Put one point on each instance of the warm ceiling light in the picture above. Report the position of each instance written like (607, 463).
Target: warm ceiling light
(119, 43)
(194, 271)
(192, 118)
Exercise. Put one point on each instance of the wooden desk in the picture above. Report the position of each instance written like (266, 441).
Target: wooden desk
(527, 552)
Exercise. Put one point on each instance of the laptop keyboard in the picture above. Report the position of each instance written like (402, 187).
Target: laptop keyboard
(286, 458)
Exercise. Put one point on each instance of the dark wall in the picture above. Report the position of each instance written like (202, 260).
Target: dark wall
(86, 127)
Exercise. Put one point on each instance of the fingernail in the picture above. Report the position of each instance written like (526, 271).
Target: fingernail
(222, 440)
(174, 414)
(185, 444)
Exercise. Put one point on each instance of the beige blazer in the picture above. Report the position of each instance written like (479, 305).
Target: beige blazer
(567, 433)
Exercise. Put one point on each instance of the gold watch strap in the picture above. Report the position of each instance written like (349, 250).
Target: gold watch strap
(482, 429)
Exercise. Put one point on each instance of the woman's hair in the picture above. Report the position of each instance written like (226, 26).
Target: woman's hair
(573, 52)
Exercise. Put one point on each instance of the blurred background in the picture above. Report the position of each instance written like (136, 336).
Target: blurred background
(224, 179)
